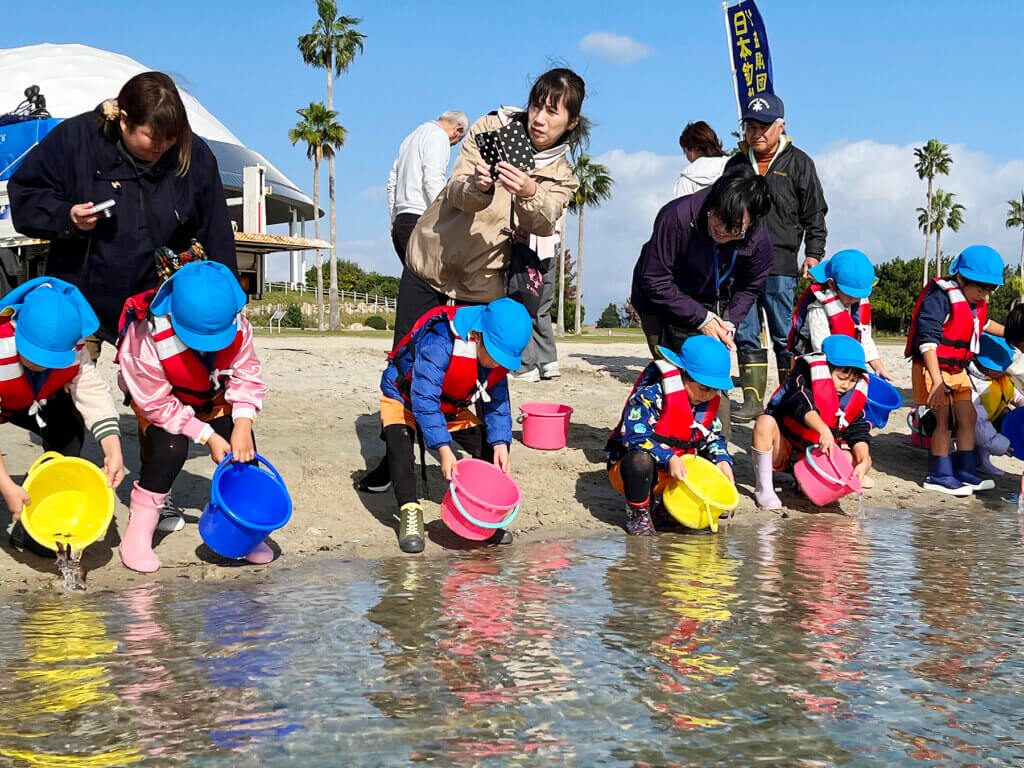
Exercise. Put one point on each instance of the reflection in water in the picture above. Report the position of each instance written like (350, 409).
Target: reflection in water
(887, 639)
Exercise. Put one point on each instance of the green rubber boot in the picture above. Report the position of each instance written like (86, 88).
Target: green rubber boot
(410, 528)
(784, 363)
(753, 381)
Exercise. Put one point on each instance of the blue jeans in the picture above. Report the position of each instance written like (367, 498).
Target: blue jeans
(777, 302)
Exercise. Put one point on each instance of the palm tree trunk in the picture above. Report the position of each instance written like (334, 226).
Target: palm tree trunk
(333, 290)
(319, 254)
(561, 288)
(579, 277)
(938, 252)
(1022, 258)
(927, 231)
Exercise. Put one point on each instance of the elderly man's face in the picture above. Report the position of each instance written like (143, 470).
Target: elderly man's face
(763, 137)
(454, 131)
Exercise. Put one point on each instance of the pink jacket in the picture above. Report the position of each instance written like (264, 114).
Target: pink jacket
(142, 376)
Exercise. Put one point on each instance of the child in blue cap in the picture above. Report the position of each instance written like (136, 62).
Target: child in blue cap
(193, 376)
(671, 412)
(452, 359)
(820, 403)
(48, 383)
(945, 333)
(994, 396)
(837, 303)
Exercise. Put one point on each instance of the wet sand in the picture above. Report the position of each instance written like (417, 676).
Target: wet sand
(320, 429)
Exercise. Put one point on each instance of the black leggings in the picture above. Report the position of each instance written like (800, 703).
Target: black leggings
(639, 474)
(163, 454)
(63, 432)
(402, 463)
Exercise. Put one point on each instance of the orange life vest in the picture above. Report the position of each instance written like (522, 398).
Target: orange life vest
(676, 426)
(961, 333)
(461, 386)
(191, 381)
(826, 403)
(16, 392)
(841, 320)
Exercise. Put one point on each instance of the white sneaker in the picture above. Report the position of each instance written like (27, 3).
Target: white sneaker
(531, 375)
(171, 517)
(550, 371)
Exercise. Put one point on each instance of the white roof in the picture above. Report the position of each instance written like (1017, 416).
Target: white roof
(75, 78)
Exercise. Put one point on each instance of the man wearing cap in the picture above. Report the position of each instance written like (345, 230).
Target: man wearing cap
(837, 302)
(192, 373)
(49, 384)
(797, 215)
(452, 359)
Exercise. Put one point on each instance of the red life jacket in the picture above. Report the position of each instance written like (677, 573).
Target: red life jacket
(191, 381)
(461, 386)
(16, 393)
(841, 320)
(676, 426)
(961, 333)
(826, 403)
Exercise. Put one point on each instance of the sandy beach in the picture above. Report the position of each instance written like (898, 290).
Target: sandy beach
(320, 429)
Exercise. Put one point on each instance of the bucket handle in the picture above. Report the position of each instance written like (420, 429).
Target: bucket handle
(473, 520)
(45, 457)
(227, 460)
(819, 470)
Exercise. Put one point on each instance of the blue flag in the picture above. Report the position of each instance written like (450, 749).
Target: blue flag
(748, 45)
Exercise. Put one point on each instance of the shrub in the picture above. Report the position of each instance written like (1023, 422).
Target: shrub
(293, 317)
(377, 322)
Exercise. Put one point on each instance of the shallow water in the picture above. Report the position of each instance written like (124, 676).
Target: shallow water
(892, 638)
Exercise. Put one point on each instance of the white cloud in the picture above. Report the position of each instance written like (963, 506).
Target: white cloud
(618, 49)
(374, 193)
(871, 188)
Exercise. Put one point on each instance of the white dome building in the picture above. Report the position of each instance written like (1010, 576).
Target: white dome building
(75, 78)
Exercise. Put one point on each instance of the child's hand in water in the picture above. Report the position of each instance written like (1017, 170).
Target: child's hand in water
(676, 468)
(15, 496)
(501, 459)
(219, 448)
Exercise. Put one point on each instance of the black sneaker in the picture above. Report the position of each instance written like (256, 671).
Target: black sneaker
(410, 529)
(500, 536)
(376, 480)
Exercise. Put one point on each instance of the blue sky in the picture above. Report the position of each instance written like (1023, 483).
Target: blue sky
(863, 82)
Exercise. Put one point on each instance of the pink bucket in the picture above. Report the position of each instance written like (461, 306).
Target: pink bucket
(825, 479)
(545, 425)
(480, 499)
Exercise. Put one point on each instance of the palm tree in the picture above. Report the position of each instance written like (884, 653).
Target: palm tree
(1015, 218)
(321, 135)
(945, 214)
(332, 44)
(933, 159)
(561, 291)
(595, 186)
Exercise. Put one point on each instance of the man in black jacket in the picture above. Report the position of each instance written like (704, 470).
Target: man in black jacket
(797, 215)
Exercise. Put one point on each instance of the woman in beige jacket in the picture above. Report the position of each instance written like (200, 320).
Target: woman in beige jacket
(460, 247)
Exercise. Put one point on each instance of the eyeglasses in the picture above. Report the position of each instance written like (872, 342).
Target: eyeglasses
(720, 231)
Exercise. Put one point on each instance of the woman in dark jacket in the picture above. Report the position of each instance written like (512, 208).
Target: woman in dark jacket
(708, 258)
(139, 152)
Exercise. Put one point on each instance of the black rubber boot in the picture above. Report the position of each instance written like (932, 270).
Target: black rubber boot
(753, 381)
(784, 362)
(638, 519)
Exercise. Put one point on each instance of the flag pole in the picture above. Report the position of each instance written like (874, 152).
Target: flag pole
(732, 66)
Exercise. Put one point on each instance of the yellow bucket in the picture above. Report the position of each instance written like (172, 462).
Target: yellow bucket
(71, 502)
(698, 499)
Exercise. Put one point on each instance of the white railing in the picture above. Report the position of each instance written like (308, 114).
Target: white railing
(386, 302)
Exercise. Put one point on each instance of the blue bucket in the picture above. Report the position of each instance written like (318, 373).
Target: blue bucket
(1013, 428)
(246, 503)
(883, 399)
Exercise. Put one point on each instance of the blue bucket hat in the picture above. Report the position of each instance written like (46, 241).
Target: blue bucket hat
(51, 317)
(505, 325)
(844, 352)
(704, 359)
(979, 263)
(203, 299)
(995, 354)
(851, 270)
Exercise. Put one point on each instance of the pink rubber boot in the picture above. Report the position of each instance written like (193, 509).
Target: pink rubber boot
(136, 548)
(261, 555)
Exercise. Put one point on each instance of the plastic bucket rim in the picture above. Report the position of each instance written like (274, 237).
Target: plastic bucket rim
(473, 520)
(475, 499)
(888, 388)
(705, 499)
(523, 409)
(37, 466)
(218, 501)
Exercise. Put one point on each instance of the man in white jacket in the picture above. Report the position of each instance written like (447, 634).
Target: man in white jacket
(420, 172)
(707, 159)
